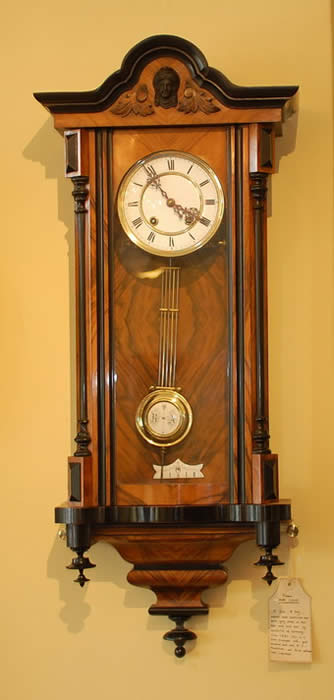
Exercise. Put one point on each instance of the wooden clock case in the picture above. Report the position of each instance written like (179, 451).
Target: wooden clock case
(176, 532)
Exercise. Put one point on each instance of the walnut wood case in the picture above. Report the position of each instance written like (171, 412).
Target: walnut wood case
(177, 532)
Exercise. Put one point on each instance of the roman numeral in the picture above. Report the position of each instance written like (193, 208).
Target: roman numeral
(203, 220)
(191, 236)
(138, 184)
(133, 204)
(205, 182)
(137, 222)
(171, 164)
(188, 171)
(150, 170)
(171, 242)
(151, 236)
(210, 201)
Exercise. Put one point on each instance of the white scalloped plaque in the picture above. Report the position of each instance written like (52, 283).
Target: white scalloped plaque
(178, 470)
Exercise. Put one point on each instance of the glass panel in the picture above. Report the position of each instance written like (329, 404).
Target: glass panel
(171, 359)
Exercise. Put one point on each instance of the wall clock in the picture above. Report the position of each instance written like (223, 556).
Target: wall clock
(169, 163)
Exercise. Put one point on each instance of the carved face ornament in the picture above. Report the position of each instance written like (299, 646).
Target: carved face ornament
(166, 83)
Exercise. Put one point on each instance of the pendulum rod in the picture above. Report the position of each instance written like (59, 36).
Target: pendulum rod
(169, 313)
(175, 322)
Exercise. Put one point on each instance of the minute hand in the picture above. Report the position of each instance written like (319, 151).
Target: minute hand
(190, 214)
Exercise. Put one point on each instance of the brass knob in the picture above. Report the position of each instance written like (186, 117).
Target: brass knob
(61, 534)
(292, 530)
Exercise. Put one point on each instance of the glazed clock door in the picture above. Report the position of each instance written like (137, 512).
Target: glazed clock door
(172, 316)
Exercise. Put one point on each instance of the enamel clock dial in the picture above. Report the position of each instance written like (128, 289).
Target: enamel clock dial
(170, 203)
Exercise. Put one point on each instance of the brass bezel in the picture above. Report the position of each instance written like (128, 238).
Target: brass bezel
(172, 396)
(193, 246)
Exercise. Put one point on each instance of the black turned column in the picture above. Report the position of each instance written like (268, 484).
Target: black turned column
(240, 291)
(100, 149)
(261, 432)
(80, 193)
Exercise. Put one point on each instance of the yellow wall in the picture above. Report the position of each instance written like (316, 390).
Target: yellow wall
(99, 642)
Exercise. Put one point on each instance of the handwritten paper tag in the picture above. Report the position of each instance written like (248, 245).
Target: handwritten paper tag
(290, 623)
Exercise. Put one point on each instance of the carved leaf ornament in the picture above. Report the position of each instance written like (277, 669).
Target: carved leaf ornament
(136, 101)
(140, 102)
(194, 100)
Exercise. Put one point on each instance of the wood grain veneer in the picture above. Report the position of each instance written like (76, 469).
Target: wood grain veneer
(202, 348)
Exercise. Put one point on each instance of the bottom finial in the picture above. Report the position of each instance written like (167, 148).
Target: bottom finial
(179, 635)
(80, 563)
(269, 560)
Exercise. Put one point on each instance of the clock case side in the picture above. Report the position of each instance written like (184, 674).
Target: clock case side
(178, 567)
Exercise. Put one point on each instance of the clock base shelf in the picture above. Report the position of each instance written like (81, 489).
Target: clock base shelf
(183, 515)
(182, 555)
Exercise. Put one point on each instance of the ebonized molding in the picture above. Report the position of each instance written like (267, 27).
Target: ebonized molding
(112, 370)
(220, 513)
(240, 262)
(229, 238)
(158, 46)
(100, 305)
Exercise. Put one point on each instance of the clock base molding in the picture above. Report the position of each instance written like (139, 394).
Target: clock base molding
(178, 563)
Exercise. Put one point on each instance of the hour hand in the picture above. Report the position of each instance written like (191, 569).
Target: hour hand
(190, 214)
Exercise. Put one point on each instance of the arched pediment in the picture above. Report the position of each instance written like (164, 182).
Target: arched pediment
(216, 86)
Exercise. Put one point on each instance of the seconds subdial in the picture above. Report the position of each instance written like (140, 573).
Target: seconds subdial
(163, 418)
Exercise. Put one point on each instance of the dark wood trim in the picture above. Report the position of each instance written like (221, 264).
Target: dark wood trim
(112, 370)
(155, 47)
(261, 431)
(80, 194)
(229, 229)
(239, 210)
(100, 303)
(178, 566)
(224, 514)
